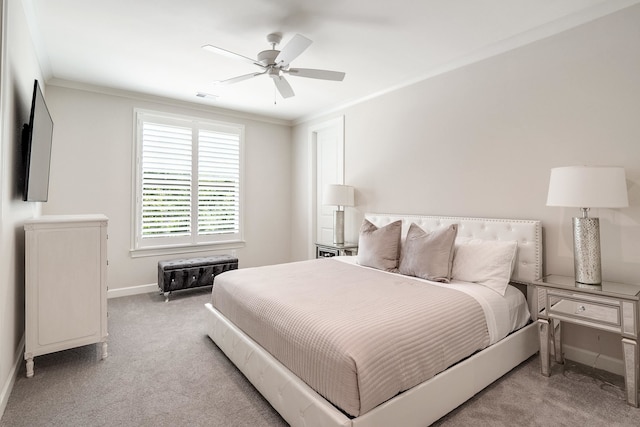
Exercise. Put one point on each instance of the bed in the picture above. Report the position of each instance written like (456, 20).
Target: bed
(359, 397)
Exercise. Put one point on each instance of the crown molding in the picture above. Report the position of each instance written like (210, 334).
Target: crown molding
(69, 84)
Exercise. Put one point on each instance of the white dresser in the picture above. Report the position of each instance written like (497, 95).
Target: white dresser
(65, 284)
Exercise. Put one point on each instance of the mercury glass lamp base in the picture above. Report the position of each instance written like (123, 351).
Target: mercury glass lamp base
(586, 251)
(338, 227)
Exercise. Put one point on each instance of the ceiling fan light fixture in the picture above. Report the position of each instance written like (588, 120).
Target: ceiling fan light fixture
(273, 72)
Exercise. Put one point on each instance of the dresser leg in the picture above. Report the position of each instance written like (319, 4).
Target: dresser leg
(105, 353)
(543, 333)
(630, 355)
(29, 367)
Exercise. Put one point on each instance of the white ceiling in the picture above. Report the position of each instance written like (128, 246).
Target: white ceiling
(154, 46)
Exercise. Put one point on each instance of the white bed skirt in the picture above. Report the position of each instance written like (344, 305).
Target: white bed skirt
(299, 405)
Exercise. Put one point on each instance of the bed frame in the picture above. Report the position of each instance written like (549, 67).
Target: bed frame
(300, 405)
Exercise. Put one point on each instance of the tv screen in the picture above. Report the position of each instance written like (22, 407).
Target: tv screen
(37, 137)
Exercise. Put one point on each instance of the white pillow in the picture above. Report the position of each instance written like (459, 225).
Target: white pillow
(486, 262)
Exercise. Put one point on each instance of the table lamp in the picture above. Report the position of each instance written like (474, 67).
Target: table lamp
(340, 196)
(587, 187)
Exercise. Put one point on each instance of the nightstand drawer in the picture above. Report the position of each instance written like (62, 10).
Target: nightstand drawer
(326, 253)
(330, 250)
(582, 310)
(603, 313)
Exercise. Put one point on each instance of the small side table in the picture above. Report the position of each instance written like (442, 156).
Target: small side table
(610, 307)
(325, 250)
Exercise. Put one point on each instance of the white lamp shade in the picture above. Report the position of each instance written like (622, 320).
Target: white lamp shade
(588, 187)
(338, 195)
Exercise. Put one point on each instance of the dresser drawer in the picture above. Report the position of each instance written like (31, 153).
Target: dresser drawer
(602, 313)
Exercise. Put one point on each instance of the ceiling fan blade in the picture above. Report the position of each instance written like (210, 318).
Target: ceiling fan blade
(295, 47)
(238, 79)
(229, 54)
(317, 74)
(283, 86)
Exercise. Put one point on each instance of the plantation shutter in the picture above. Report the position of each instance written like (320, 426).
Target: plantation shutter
(218, 183)
(188, 187)
(166, 180)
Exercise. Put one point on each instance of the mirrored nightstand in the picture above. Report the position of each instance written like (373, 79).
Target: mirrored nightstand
(325, 250)
(610, 307)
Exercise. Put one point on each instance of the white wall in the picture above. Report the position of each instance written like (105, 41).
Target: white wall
(19, 69)
(480, 141)
(91, 173)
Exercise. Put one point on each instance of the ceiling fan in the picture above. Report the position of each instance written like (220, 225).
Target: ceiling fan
(275, 63)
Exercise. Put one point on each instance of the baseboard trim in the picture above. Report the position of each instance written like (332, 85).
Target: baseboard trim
(593, 359)
(11, 379)
(132, 290)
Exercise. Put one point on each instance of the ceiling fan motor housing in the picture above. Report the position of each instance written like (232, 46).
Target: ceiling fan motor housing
(268, 57)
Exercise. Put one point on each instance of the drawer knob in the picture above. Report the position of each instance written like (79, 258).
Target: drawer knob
(580, 309)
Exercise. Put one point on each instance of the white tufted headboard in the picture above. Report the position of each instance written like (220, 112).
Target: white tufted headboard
(528, 234)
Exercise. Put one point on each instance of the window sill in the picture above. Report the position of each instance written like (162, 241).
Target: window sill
(185, 249)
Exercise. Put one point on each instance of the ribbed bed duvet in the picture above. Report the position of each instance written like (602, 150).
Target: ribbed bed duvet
(357, 336)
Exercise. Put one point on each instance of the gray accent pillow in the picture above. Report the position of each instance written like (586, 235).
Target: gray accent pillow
(379, 247)
(429, 255)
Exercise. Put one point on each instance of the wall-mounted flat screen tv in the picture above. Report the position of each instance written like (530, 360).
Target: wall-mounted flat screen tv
(37, 137)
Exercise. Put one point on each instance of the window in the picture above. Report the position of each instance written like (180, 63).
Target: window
(187, 182)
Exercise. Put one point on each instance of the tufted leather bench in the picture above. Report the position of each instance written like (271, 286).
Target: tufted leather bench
(174, 275)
